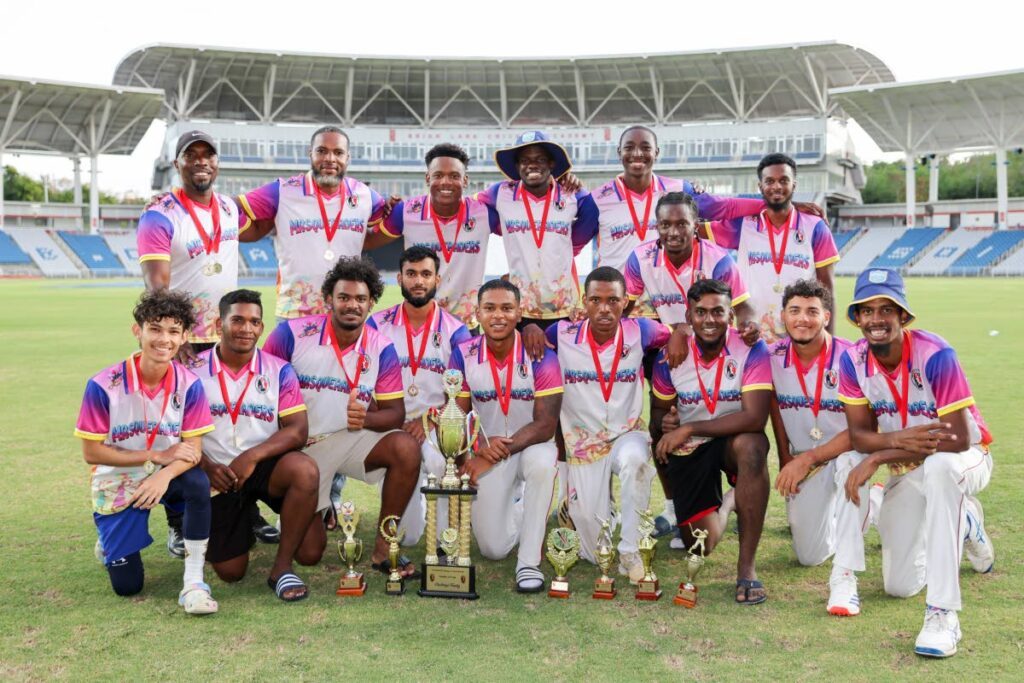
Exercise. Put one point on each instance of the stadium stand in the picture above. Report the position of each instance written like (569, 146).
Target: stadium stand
(259, 258)
(988, 252)
(1011, 265)
(907, 249)
(10, 253)
(947, 250)
(123, 244)
(864, 250)
(93, 252)
(844, 238)
(45, 252)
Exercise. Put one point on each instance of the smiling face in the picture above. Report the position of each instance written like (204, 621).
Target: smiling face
(328, 159)
(350, 304)
(498, 313)
(241, 328)
(638, 151)
(160, 340)
(446, 179)
(418, 281)
(805, 318)
(777, 184)
(535, 166)
(604, 303)
(198, 166)
(881, 321)
(710, 317)
(676, 225)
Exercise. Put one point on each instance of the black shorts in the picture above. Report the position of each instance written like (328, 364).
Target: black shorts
(696, 480)
(231, 532)
(542, 323)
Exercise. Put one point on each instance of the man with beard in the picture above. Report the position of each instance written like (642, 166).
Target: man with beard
(932, 436)
(424, 335)
(352, 384)
(721, 393)
(315, 218)
(780, 245)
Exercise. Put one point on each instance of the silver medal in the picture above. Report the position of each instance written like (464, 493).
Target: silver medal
(329, 255)
(413, 390)
(816, 433)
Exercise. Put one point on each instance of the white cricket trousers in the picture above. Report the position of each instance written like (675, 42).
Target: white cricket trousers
(414, 519)
(922, 523)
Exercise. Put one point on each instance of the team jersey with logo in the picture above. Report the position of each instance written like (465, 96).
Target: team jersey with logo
(648, 271)
(936, 385)
(809, 246)
(530, 380)
(540, 262)
(589, 422)
(271, 392)
(744, 368)
(796, 406)
(120, 411)
(303, 253)
(327, 386)
(464, 253)
(444, 332)
(166, 233)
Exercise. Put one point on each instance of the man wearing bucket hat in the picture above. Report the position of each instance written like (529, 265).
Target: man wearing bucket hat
(932, 437)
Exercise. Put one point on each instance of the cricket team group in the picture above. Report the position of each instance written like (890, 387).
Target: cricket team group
(725, 306)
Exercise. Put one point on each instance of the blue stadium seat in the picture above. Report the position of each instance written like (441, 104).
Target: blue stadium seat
(259, 256)
(986, 252)
(902, 251)
(93, 251)
(10, 253)
(844, 238)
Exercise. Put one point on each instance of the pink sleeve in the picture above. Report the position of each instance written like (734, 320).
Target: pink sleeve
(661, 378)
(653, 334)
(394, 224)
(634, 280)
(291, 395)
(261, 203)
(376, 206)
(547, 375)
(849, 387)
(94, 415)
(824, 245)
(153, 237)
(948, 382)
(389, 375)
(197, 416)
(757, 371)
(726, 234)
(728, 272)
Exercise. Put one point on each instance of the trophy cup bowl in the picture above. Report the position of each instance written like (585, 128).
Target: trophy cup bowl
(395, 584)
(647, 588)
(563, 549)
(350, 549)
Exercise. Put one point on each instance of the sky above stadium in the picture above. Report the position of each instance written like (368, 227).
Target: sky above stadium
(938, 40)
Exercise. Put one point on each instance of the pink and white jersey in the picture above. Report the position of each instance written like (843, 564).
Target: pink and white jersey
(649, 272)
(271, 392)
(530, 380)
(463, 254)
(808, 247)
(303, 253)
(166, 233)
(936, 386)
(545, 273)
(744, 368)
(590, 423)
(796, 406)
(326, 385)
(120, 411)
(443, 333)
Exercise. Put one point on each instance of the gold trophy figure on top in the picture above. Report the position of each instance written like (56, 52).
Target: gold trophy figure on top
(604, 587)
(563, 551)
(350, 549)
(389, 532)
(687, 595)
(647, 588)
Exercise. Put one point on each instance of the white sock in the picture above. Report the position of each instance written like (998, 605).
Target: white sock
(839, 570)
(528, 584)
(670, 510)
(195, 558)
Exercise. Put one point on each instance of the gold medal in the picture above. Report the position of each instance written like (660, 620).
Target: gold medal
(413, 390)
(778, 287)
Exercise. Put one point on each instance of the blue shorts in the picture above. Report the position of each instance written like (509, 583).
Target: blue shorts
(125, 532)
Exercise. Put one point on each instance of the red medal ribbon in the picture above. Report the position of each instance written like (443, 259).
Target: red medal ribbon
(902, 399)
(330, 228)
(777, 261)
(673, 272)
(233, 412)
(353, 383)
(710, 402)
(504, 395)
(415, 360)
(211, 244)
(640, 228)
(801, 371)
(460, 219)
(606, 391)
(538, 240)
(168, 386)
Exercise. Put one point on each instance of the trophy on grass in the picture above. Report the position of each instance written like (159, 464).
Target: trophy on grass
(647, 588)
(452, 432)
(604, 587)
(563, 551)
(350, 549)
(395, 584)
(687, 595)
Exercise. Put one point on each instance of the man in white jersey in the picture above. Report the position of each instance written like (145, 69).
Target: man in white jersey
(517, 401)
(815, 453)
(721, 393)
(424, 335)
(254, 451)
(601, 359)
(932, 436)
(783, 243)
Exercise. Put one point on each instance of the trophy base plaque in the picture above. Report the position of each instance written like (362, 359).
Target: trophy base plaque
(448, 581)
(604, 590)
(394, 587)
(687, 595)
(352, 586)
(648, 590)
(559, 589)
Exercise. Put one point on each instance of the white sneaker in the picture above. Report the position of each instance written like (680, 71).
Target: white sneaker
(843, 600)
(630, 565)
(940, 634)
(677, 544)
(977, 544)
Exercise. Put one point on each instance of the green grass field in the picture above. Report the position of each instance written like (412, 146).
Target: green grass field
(60, 619)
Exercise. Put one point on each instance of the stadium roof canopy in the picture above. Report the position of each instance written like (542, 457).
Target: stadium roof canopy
(940, 116)
(71, 119)
(292, 87)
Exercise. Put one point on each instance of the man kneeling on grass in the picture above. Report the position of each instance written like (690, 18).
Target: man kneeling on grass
(141, 423)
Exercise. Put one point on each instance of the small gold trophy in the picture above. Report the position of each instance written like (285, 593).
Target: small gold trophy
(452, 432)
(604, 587)
(647, 588)
(350, 550)
(563, 551)
(687, 595)
(389, 532)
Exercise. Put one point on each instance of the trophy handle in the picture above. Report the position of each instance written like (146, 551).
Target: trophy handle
(429, 422)
(473, 432)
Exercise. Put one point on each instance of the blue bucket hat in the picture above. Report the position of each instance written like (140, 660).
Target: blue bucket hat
(506, 158)
(876, 283)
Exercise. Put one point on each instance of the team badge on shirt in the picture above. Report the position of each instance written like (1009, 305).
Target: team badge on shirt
(353, 200)
(437, 339)
(731, 368)
(309, 329)
(262, 384)
(470, 224)
(915, 377)
(116, 377)
(176, 400)
(799, 236)
(415, 206)
(831, 378)
(625, 350)
(522, 370)
(366, 362)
